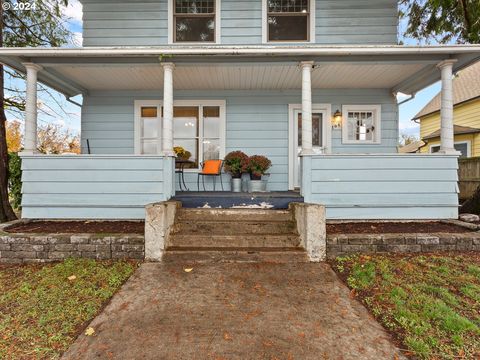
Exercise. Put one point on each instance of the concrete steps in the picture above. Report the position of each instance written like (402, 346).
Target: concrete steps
(223, 227)
(243, 235)
(184, 214)
(238, 256)
(235, 241)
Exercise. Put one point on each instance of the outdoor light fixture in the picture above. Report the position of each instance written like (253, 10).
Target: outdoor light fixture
(337, 120)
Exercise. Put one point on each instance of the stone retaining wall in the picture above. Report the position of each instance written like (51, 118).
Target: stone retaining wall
(23, 248)
(345, 244)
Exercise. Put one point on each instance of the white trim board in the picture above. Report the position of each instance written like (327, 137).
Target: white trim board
(327, 135)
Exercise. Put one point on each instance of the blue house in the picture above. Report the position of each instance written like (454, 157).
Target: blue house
(310, 84)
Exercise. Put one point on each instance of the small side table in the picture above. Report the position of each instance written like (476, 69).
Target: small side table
(181, 172)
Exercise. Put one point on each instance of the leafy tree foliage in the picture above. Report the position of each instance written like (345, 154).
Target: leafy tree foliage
(442, 21)
(14, 136)
(42, 26)
(15, 179)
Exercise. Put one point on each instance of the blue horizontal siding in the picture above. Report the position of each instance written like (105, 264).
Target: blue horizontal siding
(383, 186)
(145, 22)
(125, 23)
(69, 187)
(256, 122)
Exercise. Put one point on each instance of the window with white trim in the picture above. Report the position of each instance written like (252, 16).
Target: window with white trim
(288, 20)
(198, 127)
(148, 127)
(361, 124)
(464, 147)
(194, 20)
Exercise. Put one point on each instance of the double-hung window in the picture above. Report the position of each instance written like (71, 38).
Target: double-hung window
(198, 127)
(194, 20)
(288, 20)
(361, 124)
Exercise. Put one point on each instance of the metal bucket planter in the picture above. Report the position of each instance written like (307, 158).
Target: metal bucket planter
(237, 184)
(255, 186)
(258, 185)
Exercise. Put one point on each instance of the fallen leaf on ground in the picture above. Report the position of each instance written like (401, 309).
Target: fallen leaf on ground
(188, 270)
(90, 331)
(71, 278)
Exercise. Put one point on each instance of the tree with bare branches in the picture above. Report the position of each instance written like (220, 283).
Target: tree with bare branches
(43, 25)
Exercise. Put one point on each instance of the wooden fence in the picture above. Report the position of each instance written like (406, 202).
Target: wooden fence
(468, 176)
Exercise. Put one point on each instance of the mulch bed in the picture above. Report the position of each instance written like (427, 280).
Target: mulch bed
(78, 227)
(138, 227)
(394, 227)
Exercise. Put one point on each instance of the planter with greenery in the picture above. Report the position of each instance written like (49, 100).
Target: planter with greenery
(257, 166)
(234, 164)
(181, 153)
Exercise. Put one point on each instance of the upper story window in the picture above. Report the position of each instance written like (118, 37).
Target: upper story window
(289, 20)
(194, 20)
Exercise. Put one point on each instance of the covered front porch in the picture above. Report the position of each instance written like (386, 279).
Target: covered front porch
(280, 102)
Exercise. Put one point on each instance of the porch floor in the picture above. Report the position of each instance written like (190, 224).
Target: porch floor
(228, 199)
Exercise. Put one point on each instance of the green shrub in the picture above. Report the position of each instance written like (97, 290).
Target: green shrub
(15, 179)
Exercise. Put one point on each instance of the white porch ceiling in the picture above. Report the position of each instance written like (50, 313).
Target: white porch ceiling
(242, 77)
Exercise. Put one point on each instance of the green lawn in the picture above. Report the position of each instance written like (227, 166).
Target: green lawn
(430, 303)
(42, 310)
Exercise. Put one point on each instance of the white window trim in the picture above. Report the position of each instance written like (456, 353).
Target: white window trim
(327, 135)
(218, 26)
(468, 142)
(201, 103)
(377, 109)
(265, 26)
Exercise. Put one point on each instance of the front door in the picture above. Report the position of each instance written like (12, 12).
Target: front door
(320, 135)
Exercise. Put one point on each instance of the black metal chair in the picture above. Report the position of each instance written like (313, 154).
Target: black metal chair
(211, 168)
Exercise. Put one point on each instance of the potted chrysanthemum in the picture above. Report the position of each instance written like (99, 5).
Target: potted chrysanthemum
(234, 164)
(257, 166)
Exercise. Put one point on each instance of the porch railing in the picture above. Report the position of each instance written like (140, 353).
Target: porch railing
(384, 186)
(94, 186)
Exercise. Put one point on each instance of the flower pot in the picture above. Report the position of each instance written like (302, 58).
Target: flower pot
(256, 186)
(236, 184)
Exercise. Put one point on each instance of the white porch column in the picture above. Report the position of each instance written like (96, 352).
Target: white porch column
(307, 132)
(446, 110)
(30, 144)
(167, 137)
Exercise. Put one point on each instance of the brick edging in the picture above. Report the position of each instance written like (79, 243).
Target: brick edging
(344, 244)
(27, 248)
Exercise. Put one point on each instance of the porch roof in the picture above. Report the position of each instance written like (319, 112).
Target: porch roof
(405, 69)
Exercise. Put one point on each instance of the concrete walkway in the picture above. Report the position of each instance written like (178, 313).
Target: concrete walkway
(234, 311)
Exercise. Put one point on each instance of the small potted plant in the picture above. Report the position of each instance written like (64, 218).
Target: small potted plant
(256, 166)
(234, 164)
(181, 153)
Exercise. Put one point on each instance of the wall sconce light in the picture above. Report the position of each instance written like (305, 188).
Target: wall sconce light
(337, 120)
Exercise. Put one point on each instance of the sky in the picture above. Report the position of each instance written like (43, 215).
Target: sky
(55, 109)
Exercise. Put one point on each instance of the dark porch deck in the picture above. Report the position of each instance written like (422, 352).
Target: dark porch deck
(227, 199)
